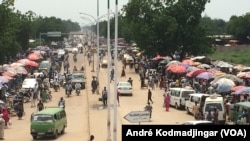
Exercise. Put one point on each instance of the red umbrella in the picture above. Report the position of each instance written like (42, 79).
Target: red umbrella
(195, 72)
(188, 62)
(33, 57)
(236, 88)
(31, 63)
(176, 69)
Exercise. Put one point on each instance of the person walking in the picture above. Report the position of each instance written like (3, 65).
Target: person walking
(94, 85)
(195, 110)
(5, 116)
(167, 101)
(92, 137)
(123, 72)
(150, 96)
(104, 96)
(40, 105)
(215, 116)
(34, 94)
(2, 126)
(118, 100)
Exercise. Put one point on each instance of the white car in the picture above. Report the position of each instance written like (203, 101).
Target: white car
(75, 50)
(198, 122)
(29, 83)
(124, 88)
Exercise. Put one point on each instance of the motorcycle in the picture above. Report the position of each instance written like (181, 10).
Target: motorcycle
(68, 93)
(26, 96)
(56, 86)
(78, 91)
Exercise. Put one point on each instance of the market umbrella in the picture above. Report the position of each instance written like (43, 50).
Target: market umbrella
(7, 77)
(196, 63)
(4, 79)
(21, 70)
(204, 66)
(245, 75)
(23, 61)
(243, 90)
(32, 64)
(174, 62)
(192, 68)
(33, 57)
(245, 69)
(188, 62)
(239, 67)
(195, 72)
(231, 77)
(9, 74)
(236, 88)
(176, 69)
(223, 81)
(223, 64)
(16, 64)
(198, 57)
(205, 75)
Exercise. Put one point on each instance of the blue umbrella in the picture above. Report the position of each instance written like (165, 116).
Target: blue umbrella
(222, 88)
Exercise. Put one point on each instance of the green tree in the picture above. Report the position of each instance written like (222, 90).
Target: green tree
(168, 26)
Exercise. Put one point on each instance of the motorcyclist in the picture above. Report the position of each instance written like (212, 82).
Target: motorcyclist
(68, 87)
(78, 86)
(56, 83)
(75, 69)
(61, 103)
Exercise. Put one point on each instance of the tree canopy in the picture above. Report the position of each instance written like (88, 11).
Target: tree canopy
(17, 28)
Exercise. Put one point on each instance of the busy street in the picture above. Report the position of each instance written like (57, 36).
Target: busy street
(86, 114)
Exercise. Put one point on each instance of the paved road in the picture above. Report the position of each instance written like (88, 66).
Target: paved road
(87, 116)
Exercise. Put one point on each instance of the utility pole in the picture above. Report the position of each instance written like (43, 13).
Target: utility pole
(115, 73)
(108, 83)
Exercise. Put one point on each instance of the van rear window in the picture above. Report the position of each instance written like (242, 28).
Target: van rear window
(211, 106)
(186, 93)
(43, 118)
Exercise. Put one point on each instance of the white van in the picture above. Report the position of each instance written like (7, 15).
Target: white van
(179, 96)
(196, 97)
(215, 101)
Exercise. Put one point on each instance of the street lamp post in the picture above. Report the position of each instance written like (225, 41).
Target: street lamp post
(92, 43)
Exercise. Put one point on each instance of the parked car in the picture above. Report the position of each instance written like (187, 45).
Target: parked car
(75, 50)
(124, 88)
(29, 83)
(198, 122)
(104, 64)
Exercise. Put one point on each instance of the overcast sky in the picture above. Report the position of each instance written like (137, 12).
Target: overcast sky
(69, 9)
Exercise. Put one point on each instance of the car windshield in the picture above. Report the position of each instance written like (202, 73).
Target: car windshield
(125, 84)
(77, 76)
(42, 118)
(211, 106)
